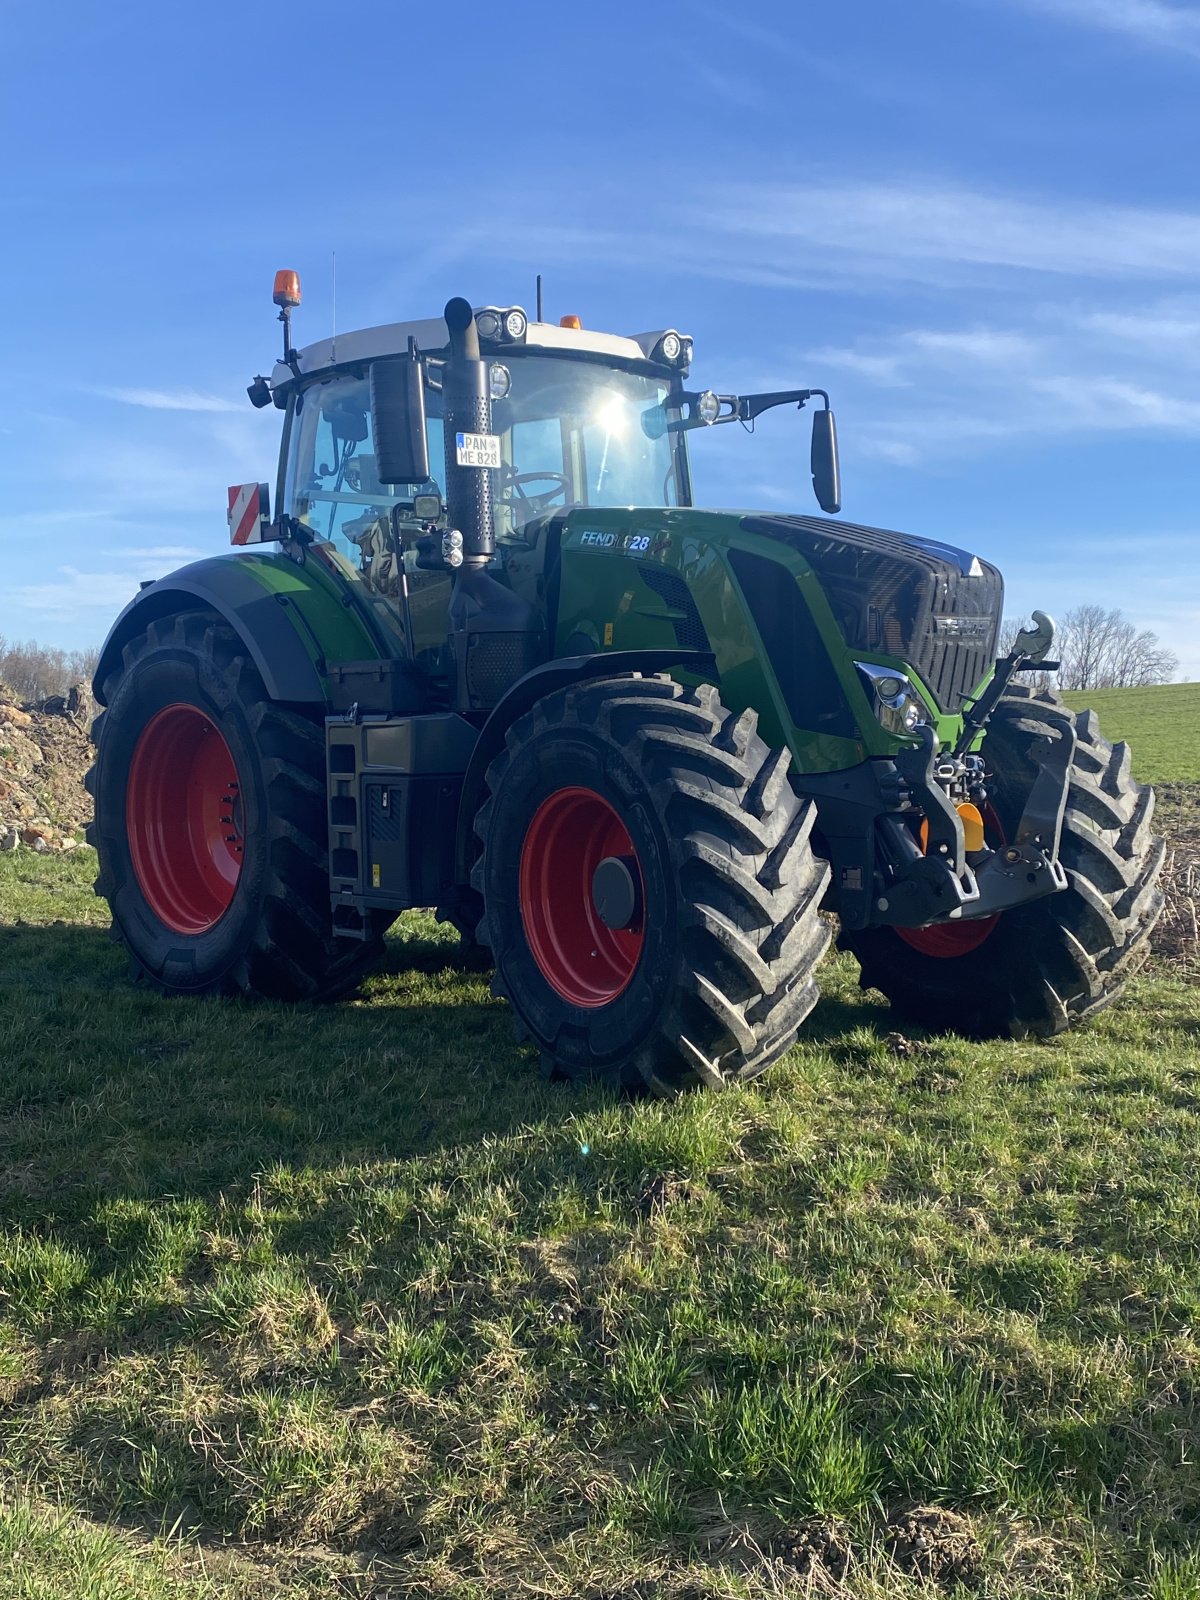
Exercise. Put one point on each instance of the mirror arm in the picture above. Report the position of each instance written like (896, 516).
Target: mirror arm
(743, 408)
(750, 406)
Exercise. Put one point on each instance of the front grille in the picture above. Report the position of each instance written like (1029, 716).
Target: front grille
(928, 604)
(955, 656)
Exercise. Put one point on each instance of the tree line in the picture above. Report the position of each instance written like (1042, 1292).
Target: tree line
(1097, 647)
(35, 671)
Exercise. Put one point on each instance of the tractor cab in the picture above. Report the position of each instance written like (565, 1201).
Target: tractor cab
(577, 420)
(416, 455)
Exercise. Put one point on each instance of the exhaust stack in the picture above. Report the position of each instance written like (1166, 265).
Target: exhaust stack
(468, 410)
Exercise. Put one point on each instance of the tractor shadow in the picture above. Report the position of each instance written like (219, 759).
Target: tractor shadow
(109, 1088)
(110, 1091)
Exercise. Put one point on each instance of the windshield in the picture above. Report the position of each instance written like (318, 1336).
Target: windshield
(578, 433)
(571, 433)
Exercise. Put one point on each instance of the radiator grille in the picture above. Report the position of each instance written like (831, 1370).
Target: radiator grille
(930, 605)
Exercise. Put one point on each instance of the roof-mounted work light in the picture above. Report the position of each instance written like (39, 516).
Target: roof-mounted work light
(502, 325)
(674, 350)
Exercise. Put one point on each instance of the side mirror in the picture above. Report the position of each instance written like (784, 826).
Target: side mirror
(826, 476)
(398, 413)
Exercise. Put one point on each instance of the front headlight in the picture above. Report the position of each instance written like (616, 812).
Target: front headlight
(895, 702)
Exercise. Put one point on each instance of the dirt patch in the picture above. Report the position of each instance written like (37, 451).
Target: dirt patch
(659, 1192)
(1177, 817)
(940, 1545)
(45, 752)
(815, 1548)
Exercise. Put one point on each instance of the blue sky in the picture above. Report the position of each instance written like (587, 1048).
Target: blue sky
(976, 222)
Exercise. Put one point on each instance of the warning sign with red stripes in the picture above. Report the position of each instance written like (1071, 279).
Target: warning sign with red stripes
(247, 513)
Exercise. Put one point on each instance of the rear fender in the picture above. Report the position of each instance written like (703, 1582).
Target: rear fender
(258, 598)
(522, 696)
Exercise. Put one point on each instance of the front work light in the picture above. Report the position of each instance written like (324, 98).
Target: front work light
(515, 324)
(499, 380)
(708, 407)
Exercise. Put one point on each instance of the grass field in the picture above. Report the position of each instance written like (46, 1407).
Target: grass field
(1162, 725)
(350, 1302)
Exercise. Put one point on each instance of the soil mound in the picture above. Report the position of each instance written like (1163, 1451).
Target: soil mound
(45, 751)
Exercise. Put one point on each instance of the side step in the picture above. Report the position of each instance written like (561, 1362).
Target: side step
(393, 786)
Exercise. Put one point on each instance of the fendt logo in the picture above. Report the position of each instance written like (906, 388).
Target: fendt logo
(597, 539)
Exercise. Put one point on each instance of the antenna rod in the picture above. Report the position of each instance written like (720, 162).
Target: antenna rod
(539, 297)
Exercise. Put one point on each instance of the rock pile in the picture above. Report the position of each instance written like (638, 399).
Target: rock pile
(45, 752)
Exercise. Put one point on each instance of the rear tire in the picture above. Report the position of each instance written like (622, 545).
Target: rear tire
(709, 979)
(241, 906)
(1047, 964)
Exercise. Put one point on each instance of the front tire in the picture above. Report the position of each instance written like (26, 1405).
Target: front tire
(210, 824)
(704, 968)
(1045, 965)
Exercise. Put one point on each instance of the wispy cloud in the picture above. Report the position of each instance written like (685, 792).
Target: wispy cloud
(173, 400)
(73, 592)
(1150, 22)
(176, 554)
(1078, 374)
(731, 87)
(913, 229)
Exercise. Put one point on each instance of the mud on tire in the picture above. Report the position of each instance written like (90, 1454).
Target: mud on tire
(730, 932)
(1056, 960)
(275, 936)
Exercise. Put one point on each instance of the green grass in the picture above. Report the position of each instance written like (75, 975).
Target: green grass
(1161, 724)
(349, 1301)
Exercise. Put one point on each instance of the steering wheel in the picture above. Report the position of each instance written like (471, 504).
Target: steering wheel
(543, 499)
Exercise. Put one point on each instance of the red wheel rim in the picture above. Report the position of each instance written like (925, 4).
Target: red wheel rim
(946, 940)
(580, 957)
(183, 819)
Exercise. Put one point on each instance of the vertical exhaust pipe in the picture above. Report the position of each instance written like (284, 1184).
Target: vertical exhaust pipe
(467, 408)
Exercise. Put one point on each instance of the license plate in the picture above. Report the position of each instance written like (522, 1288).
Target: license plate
(477, 449)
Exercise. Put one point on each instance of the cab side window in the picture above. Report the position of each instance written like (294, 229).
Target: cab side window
(331, 483)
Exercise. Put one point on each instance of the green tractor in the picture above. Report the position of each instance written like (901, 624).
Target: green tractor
(494, 661)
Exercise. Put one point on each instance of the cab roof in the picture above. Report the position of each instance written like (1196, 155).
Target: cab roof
(432, 336)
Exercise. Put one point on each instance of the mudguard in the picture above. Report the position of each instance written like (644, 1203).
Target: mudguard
(289, 618)
(532, 687)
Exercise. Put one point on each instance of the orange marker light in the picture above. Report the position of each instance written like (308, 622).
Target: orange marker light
(569, 322)
(287, 288)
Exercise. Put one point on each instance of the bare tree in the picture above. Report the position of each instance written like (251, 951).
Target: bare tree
(34, 672)
(1099, 648)
(1007, 637)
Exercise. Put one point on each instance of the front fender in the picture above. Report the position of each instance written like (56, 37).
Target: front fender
(288, 617)
(526, 692)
